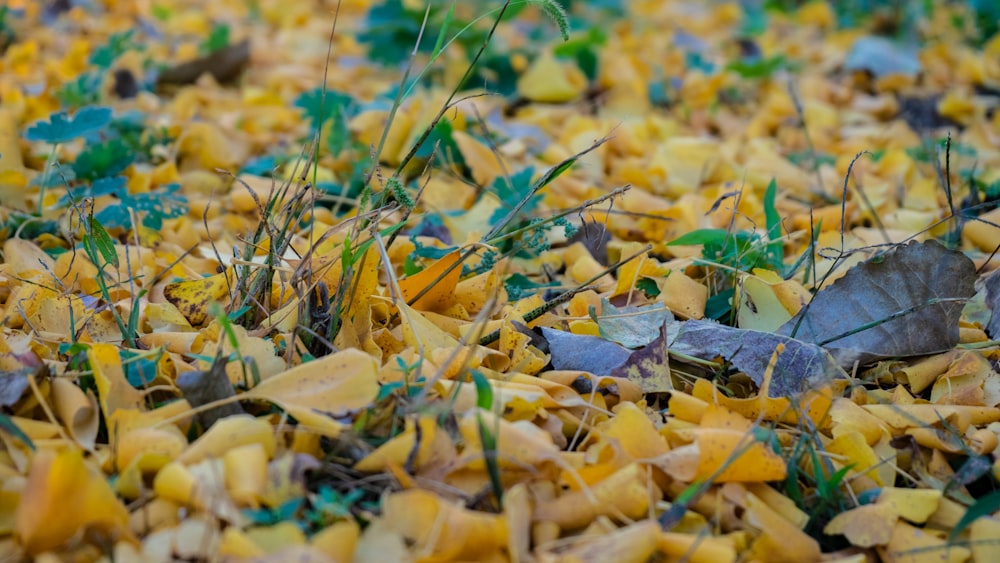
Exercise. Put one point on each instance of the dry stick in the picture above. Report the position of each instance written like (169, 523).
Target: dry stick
(565, 296)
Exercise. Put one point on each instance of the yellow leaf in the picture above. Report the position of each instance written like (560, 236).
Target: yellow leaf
(548, 80)
(916, 505)
(740, 457)
(338, 540)
(915, 545)
(442, 530)
(330, 386)
(113, 390)
(61, 497)
(856, 451)
(228, 433)
(484, 163)
(624, 493)
(634, 432)
(865, 526)
(635, 543)
(78, 412)
(433, 443)
(192, 298)
(780, 540)
(984, 536)
(246, 473)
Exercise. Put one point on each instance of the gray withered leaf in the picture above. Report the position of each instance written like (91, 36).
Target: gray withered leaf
(632, 327)
(800, 366)
(583, 352)
(203, 387)
(649, 366)
(906, 302)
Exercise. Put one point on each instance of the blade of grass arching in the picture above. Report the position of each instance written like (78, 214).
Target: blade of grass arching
(448, 18)
(984, 506)
(447, 104)
(7, 425)
(490, 454)
(565, 296)
(396, 103)
(322, 95)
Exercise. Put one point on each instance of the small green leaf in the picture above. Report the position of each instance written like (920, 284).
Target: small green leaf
(700, 236)
(484, 391)
(105, 56)
(100, 160)
(218, 39)
(103, 242)
(60, 128)
(647, 286)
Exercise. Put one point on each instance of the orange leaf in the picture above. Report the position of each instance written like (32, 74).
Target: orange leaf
(440, 285)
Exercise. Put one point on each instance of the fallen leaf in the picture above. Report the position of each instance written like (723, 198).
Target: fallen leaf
(904, 303)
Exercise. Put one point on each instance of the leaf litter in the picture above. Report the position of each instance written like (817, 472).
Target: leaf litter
(620, 289)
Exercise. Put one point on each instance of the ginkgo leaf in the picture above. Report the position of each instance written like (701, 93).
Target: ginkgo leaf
(62, 496)
(192, 298)
(324, 389)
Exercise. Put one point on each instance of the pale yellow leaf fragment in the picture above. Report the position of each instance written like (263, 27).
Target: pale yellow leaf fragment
(780, 540)
(229, 433)
(338, 540)
(984, 536)
(865, 526)
(78, 412)
(443, 530)
(484, 163)
(316, 391)
(634, 432)
(632, 544)
(548, 80)
(434, 445)
(625, 493)
(113, 389)
(914, 545)
(847, 417)
(856, 451)
(915, 505)
(246, 473)
(697, 548)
